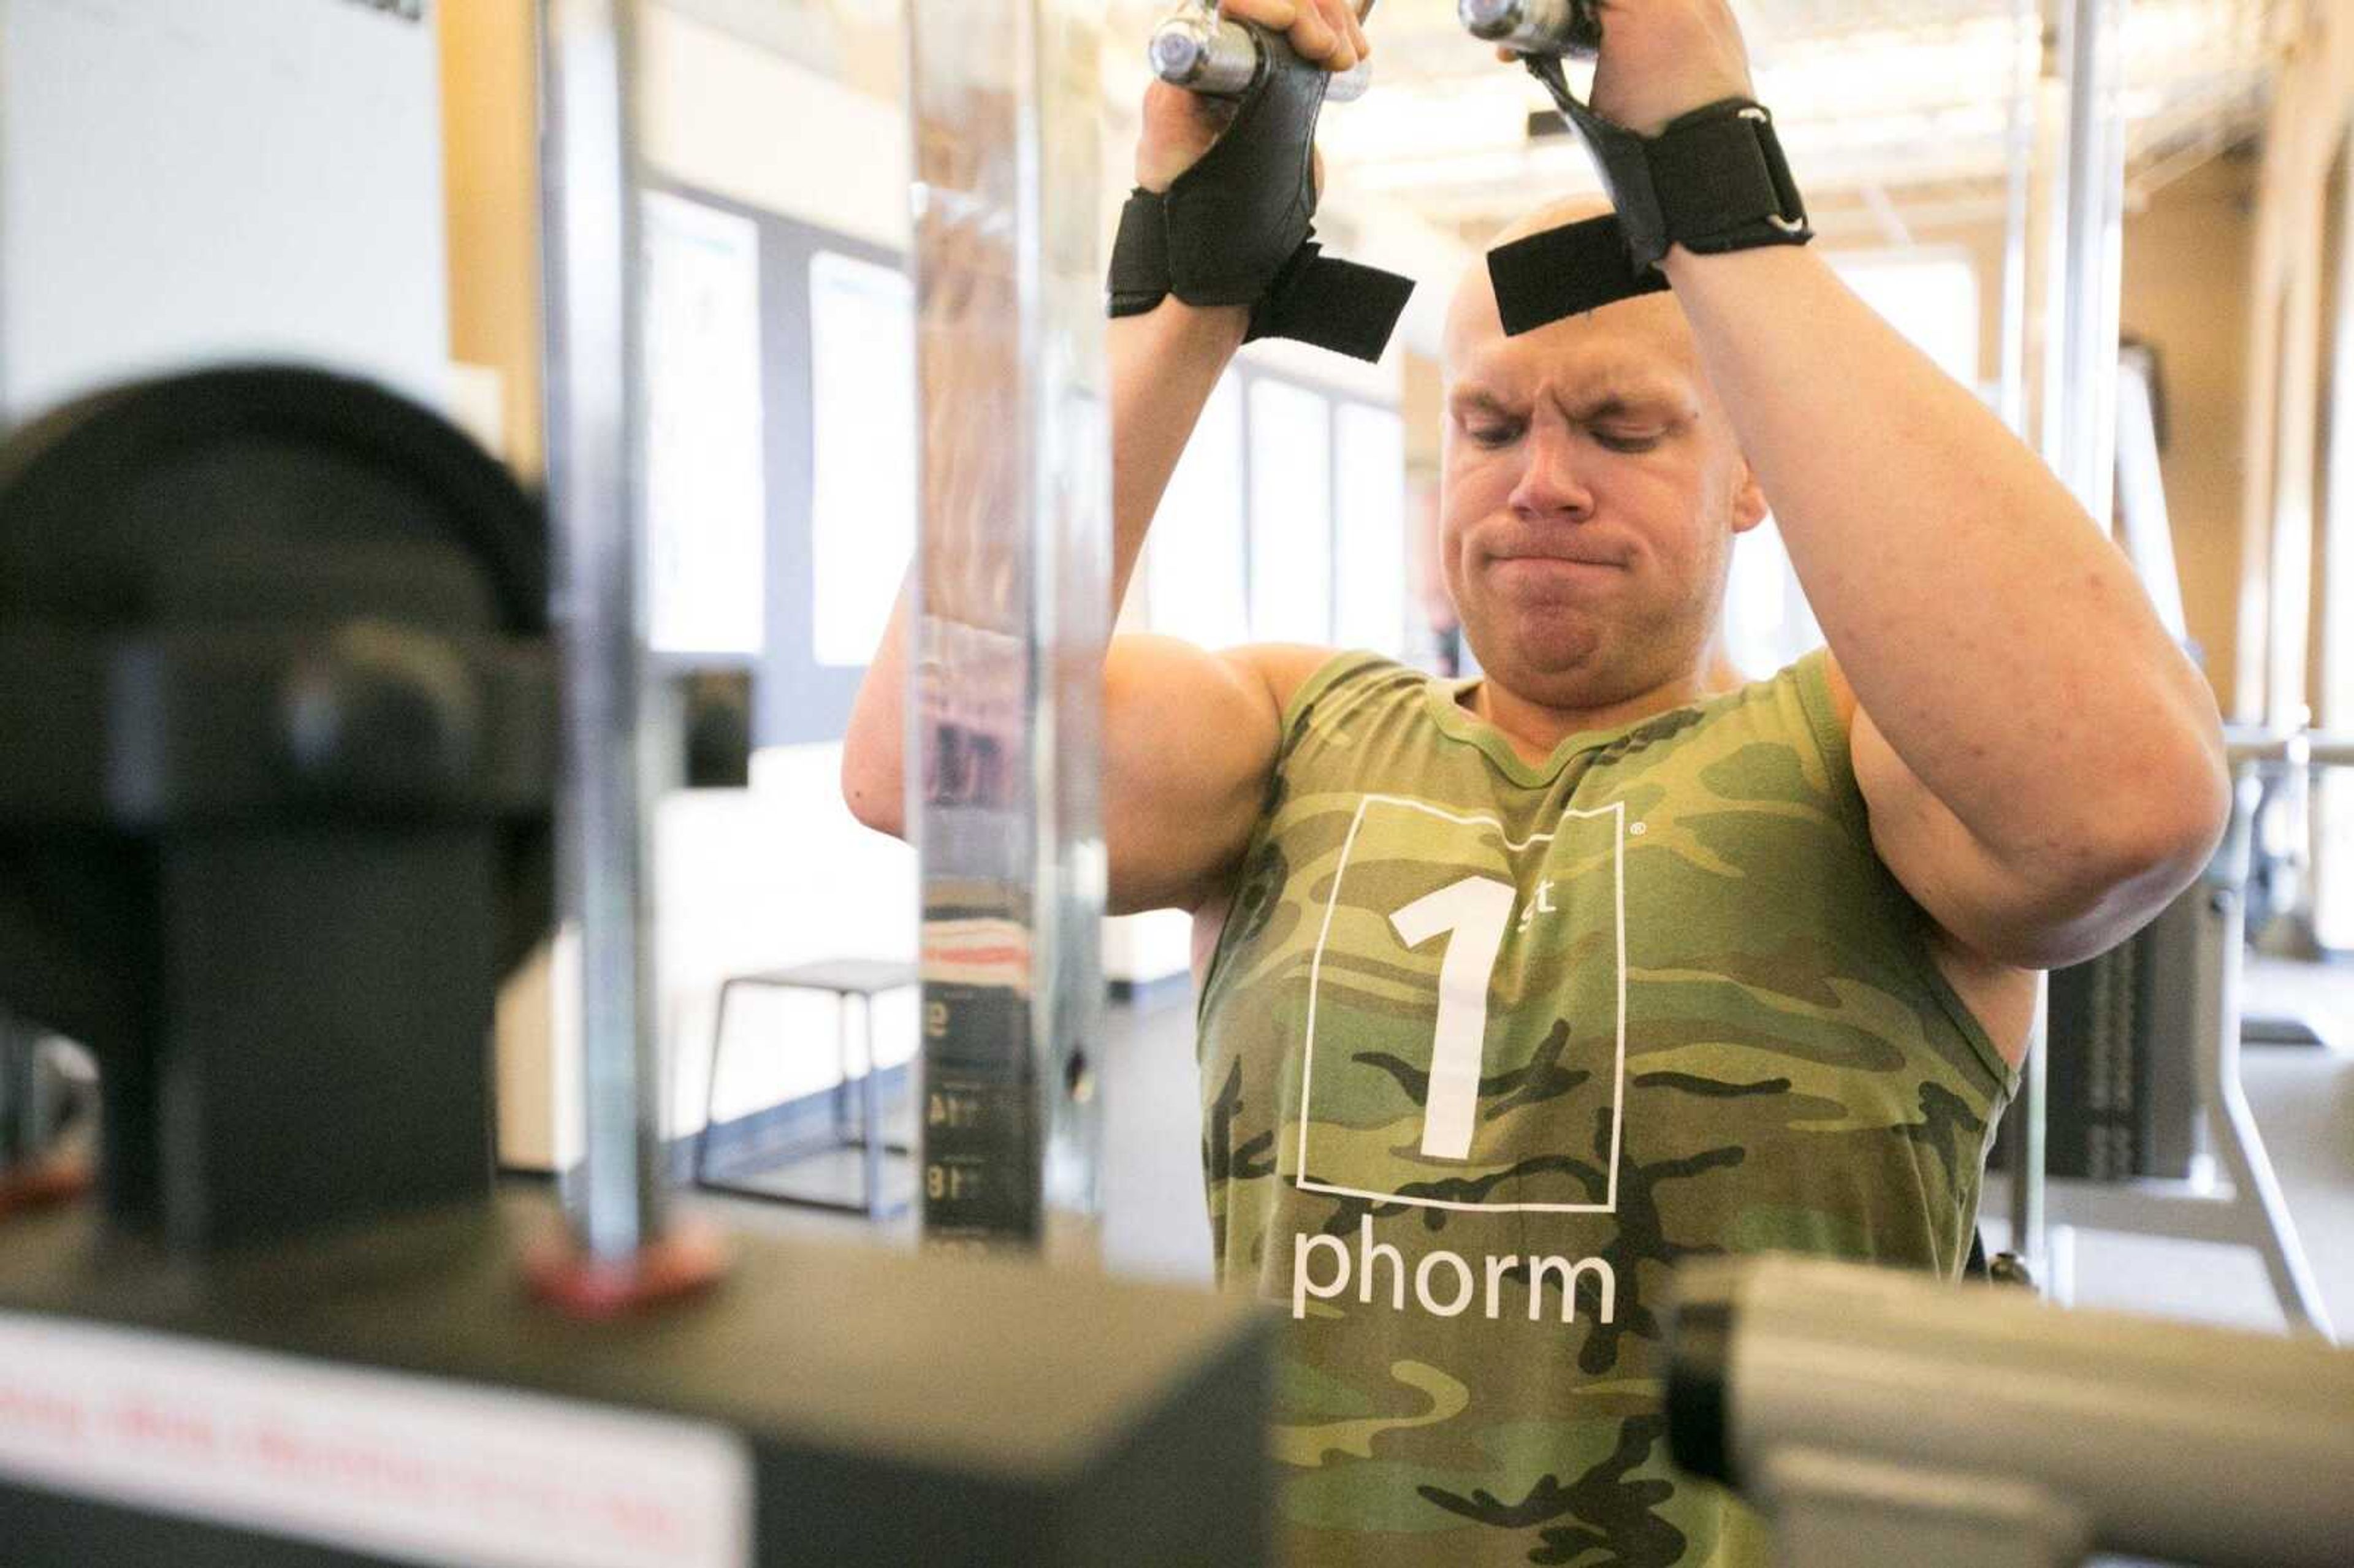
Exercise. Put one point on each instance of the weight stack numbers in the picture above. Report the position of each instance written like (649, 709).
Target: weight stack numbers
(981, 1120)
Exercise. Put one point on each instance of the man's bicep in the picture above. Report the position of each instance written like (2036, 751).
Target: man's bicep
(2023, 917)
(1190, 741)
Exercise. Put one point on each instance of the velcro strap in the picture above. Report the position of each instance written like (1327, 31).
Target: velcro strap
(1140, 256)
(1720, 172)
(1333, 304)
(1565, 272)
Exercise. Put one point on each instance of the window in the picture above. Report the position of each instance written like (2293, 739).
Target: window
(707, 493)
(1290, 512)
(863, 452)
(1369, 596)
(1284, 522)
(1197, 574)
(1933, 300)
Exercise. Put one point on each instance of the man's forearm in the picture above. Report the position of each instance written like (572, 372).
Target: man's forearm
(1163, 367)
(1995, 636)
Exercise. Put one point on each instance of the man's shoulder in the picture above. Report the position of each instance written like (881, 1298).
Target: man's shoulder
(1289, 670)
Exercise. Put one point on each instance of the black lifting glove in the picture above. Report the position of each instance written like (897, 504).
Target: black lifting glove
(1711, 181)
(1234, 228)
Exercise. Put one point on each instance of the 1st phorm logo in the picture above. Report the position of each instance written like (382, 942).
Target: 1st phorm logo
(1445, 1285)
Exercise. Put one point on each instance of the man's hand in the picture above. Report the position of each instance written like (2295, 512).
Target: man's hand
(1180, 126)
(1661, 58)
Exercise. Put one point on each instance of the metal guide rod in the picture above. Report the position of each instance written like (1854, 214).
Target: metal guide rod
(2040, 190)
(1012, 586)
(2020, 169)
(2333, 698)
(2095, 238)
(2077, 413)
(593, 467)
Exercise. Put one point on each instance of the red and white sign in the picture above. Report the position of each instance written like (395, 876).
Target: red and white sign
(403, 1467)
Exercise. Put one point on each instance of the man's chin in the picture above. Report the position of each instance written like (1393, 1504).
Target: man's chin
(1579, 670)
(1554, 670)
(1537, 642)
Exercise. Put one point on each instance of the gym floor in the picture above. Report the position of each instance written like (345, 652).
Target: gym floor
(1154, 1225)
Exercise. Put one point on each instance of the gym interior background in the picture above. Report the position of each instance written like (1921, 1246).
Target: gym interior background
(2235, 245)
(357, 185)
(408, 157)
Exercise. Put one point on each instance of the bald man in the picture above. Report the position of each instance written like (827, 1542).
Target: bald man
(1516, 990)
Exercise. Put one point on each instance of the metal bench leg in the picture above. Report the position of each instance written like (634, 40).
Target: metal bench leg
(2271, 1230)
(711, 1081)
(842, 1086)
(2255, 1187)
(871, 1104)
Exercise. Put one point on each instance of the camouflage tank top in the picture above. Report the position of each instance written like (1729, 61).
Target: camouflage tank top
(1486, 1047)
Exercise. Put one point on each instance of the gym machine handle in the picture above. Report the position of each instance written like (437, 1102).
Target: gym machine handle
(1568, 27)
(1981, 1424)
(1203, 52)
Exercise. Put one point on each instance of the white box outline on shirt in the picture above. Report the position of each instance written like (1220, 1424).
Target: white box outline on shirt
(1615, 809)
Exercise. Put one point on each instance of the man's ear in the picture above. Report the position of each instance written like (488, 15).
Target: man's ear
(1748, 501)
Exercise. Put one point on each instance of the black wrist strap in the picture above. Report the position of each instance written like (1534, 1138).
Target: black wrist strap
(1314, 298)
(1235, 229)
(1711, 181)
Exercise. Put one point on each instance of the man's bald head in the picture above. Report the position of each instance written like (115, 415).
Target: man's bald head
(1553, 215)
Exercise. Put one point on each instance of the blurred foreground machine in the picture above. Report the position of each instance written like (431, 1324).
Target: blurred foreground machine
(1881, 1418)
(277, 740)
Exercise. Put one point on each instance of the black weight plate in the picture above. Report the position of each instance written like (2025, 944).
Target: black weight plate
(100, 495)
(104, 498)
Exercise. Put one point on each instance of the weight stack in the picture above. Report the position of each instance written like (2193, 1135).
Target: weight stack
(2098, 1121)
(2122, 1037)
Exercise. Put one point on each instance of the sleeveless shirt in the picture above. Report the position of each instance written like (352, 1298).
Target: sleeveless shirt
(1486, 1047)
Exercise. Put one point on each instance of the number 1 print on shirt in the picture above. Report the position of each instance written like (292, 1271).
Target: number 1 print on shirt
(1394, 1054)
(1474, 913)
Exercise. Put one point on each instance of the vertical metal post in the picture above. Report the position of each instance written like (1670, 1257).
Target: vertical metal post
(2034, 330)
(2074, 192)
(2019, 174)
(2333, 703)
(21, 1133)
(2094, 242)
(1012, 612)
(593, 467)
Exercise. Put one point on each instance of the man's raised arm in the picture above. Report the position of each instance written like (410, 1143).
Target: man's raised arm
(2043, 765)
(1188, 736)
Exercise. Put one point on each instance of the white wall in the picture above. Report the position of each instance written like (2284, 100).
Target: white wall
(742, 123)
(757, 879)
(782, 873)
(187, 180)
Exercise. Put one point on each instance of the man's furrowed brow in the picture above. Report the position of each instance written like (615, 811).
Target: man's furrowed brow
(1621, 400)
(1478, 400)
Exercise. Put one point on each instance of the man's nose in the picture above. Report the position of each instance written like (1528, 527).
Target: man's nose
(1550, 484)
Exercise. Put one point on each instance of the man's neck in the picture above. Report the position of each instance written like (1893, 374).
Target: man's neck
(1534, 729)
